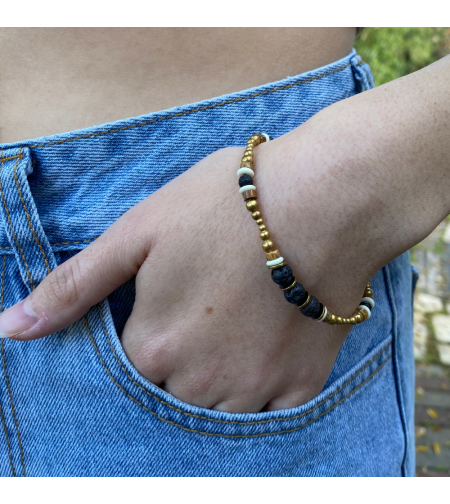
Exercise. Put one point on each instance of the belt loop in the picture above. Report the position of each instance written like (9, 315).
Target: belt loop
(362, 73)
(21, 220)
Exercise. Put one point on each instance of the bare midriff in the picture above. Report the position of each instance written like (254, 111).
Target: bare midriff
(54, 80)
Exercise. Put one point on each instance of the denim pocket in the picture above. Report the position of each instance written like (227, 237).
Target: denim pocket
(351, 428)
(167, 409)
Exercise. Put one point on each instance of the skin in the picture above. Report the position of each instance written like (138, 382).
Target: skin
(343, 194)
(85, 76)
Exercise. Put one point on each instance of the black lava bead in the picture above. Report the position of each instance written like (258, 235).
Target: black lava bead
(297, 295)
(321, 311)
(365, 303)
(245, 180)
(313, 309)
(283, 276)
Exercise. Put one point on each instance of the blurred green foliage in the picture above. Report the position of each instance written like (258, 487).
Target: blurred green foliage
(394, 52)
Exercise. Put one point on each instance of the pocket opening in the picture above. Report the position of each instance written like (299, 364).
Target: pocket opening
(170, 410)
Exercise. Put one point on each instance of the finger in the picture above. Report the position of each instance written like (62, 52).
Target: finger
(72, 288)
(291, 400)
(242, 404)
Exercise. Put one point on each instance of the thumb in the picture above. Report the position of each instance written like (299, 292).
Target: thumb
(68, 292)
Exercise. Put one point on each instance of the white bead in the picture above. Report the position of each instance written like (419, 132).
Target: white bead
(324, 314)
(367, 310)
(245, 171)
(275, 262)
(247, 188)
(368, 300)
(266, 136)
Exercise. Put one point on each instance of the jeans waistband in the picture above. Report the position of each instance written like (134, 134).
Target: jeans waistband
(77, 184)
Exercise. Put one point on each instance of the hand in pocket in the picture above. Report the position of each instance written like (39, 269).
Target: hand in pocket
(209, 325)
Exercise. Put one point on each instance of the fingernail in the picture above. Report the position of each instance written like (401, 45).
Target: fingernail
(17, 319)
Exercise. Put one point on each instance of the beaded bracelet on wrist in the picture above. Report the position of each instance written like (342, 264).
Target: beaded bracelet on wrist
(294, 292)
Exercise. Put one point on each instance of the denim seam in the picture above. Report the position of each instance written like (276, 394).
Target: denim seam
(7, 440)
(179, 410)
(62, 243)
(17, 156)
(29, 219)
(2, 349)
(180, 114)
(5, 368)
(105, 330)
(390, 293)
(361, 63)
(13, 409)
(216, 434)
(10, 223)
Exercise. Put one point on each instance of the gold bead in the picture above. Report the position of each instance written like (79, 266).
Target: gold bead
(256, 216)
(321, 315)
(262, 227)
(267, 246)
(339, 320)
(246, 164)
(275, 254)
(290, 286)
(352, 320)
(277, 265)
(259, 221)
(363, 313)
(368, 293)
(250, 194)
(247, 159)
(252, 205)
(264, 235)
(308, 299)
(256, 139)
(358, 318)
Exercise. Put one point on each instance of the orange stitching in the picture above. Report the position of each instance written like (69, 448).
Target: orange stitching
(2, 349)
(105, 330)
(8, 386)
(29, 219)
(63, 243)
(7, 438)
(216, 434)
(13, 409)
(180, 114)
(11, 226)
(17, 156)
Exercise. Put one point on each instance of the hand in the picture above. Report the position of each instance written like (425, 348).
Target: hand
(209, 325)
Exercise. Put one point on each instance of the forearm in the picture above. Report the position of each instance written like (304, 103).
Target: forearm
(399, 133)
(371, 178)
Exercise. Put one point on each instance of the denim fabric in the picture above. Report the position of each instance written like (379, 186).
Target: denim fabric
(73, 405)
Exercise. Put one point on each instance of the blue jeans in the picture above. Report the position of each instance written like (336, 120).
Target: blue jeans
(72, 404)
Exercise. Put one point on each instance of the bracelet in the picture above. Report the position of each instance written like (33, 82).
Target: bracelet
(294, 292)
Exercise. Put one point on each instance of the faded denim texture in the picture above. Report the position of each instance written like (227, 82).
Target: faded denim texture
(73, 405)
